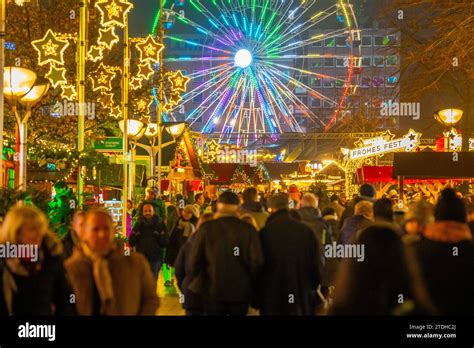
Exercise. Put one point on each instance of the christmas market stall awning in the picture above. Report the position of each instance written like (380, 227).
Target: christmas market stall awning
(224, 173)
(434, 165)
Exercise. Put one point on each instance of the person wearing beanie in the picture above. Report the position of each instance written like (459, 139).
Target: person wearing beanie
(366, 193)
(183, 229)
(446, 257)
(226, 259)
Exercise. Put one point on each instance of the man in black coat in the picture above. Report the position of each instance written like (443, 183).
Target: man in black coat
(293, 263)
(150, 236)
(446, 257)
(226, 258)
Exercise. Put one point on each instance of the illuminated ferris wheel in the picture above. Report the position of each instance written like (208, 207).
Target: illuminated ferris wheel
(250, 60)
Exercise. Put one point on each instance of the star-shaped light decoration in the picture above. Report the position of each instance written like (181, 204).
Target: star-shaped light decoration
(145, 71)
(114, 12)
(175, 98)
(144, 104)
(149, 50)
(68, 92)
(106, 99)
(179, 81)
(167, 108)
(135, 83)
(455, 139)
(116, 112)
(102, 79)
(412, 140)
(56, 75)
(213, 146)
(50, 49)
(107, 37)
(95, 53)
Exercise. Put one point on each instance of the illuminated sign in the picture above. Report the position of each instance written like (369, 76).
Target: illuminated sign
(386, 143)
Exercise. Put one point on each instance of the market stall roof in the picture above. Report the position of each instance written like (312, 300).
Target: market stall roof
(442, 165)
(277, 169)
(224, 172)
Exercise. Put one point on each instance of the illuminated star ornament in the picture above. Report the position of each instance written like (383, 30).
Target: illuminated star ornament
(56, 75)
(411, 140)
(179, 81)
(175, 98)
(102, 79)
(144, 104)
(167, 108)
(135, 83)
(116, 112)
(68, 92)
(106, 99)
(50, 49)
(145, 71)
(149, 50)
(95, 53)
(114, 12)
(107, 37)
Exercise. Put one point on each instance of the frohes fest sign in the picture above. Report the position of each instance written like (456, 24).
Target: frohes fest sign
(385, 144)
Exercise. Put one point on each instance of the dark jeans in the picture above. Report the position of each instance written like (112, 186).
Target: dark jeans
(155, 267)
(227, 308)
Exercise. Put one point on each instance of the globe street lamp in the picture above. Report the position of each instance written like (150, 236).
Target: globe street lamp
(448, 118)
(23, 86)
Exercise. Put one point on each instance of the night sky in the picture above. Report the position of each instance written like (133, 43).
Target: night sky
(142, 16)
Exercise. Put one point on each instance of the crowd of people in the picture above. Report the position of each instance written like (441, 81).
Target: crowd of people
(235, 254)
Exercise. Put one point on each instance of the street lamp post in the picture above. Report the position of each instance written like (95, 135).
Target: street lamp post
(2, 65)
(161, 98)
(448, 118)
(23, 86)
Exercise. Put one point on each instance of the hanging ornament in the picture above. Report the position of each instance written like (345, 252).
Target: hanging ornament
(114, 12)
(50, 49)
(107, 37)
(68, 92)
(103, 78)
(56, 75)
(149, 50)
(179, 81)
(135, 83)
(116, 112)
(145, 71)
(95, 53)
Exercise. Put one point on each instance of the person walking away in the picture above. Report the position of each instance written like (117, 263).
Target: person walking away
(226, 258)
(104, 279)
(418, 217)
(74, 235)
(192, 303)
(363, 217)
(33, 283)
(311, 216)
(253, 207)
(330, 216)
(379, 280)
(446, 257)
(149, 237)
(184, 228)
(293, 263)
(334, 204)
(366, 193)
(383, 210)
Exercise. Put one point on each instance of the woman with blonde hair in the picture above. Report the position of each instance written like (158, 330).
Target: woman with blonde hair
(32, 276)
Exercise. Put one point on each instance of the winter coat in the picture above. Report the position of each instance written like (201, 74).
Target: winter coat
(446, 259)
(353, 225)
(182, 271)
(69, 242)
(43, 292)
(293, 267)
(132, 282)
(312, 218)
(226, 259)
(256, 210)
(338, 208)
(180, 233)
(149, 237)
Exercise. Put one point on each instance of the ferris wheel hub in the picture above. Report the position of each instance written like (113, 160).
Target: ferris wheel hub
(243, 58)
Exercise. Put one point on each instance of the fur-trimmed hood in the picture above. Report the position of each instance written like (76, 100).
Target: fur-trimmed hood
(448, 232)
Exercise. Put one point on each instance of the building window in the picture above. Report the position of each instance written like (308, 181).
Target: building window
(379, 61)
(318, 43)
(340, 82)
(328, 62)
(367, 41)
(198, 78)
(341, 41)
(342, 62)
(315, 103)
(391, 81)
(197, 98)
(365, 82)
(316, 82)
(317, 63)
(328, 83)
(392, 40)
(331, 42)
(377, 81)
(366, 62)
(392, 61)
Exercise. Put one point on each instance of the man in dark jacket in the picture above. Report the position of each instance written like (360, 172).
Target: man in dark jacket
(363, 216)
(311, 216)
(445, 256)
(226, 259)
(293, 263)
(366, 193)
(253, 207)
(149, 237)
